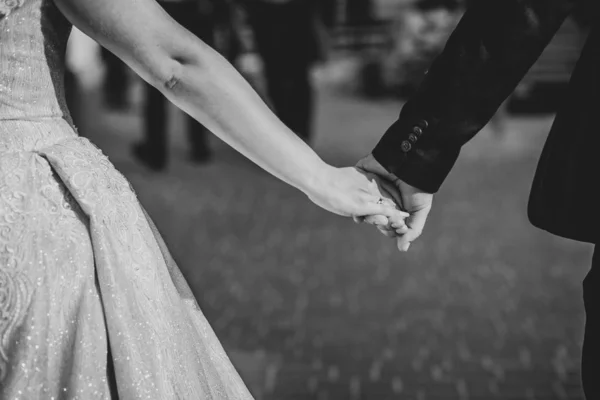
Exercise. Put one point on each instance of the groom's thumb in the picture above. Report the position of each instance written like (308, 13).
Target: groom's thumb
(415, 224)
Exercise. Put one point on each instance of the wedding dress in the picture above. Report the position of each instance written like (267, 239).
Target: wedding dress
(92, 305)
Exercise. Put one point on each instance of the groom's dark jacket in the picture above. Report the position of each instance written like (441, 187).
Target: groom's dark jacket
(492, 48)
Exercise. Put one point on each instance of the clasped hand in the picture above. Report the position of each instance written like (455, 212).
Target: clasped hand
(353, 192)
(368, 193)
(408, 198)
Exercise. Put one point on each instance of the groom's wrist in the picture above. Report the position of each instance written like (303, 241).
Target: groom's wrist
(419, 171)
(406, 151)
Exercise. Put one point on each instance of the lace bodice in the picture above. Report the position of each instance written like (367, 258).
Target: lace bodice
(33, 41)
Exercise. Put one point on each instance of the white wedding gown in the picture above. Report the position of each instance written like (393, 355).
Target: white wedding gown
(92, 305)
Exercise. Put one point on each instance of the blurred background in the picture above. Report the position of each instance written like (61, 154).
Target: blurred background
(310, 305)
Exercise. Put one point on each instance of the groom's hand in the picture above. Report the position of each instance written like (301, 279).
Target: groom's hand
(412, 200)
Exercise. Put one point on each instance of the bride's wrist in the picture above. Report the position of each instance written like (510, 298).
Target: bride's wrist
(315, 178)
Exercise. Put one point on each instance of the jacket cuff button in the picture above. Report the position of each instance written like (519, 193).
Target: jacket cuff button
(412, 138)
(406, 146)
(423, 124)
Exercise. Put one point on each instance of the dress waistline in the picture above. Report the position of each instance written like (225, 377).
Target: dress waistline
(33, 135)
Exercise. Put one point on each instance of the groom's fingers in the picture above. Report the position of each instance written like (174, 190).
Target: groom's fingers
(403, 242)
(416, 224)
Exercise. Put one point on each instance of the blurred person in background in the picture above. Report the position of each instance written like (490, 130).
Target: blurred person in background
(93, 305)
(72, 93)
(290, 37)
(488, 54)
(358, 12)
(115, 86)
(227, 24)
(200, 18)
(419, 35)
(83, 70)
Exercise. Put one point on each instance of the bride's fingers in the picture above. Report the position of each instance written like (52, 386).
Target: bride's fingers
(382, 224)
(379, 206)
(387, 232)
(397, 222)
(390, 212)
(377, 220)
(379, 199)
(402, 230)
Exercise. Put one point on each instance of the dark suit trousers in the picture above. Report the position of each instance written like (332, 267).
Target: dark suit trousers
(590, 363)
(286, 41)
(155, 112)
(116, 77)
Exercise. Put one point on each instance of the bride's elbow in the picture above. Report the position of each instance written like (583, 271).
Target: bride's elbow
(183, 69)
(171, 82)
(171, 79)
(164, 73)
(178, 72)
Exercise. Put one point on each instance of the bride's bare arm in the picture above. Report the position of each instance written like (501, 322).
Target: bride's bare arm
(202, 83)
(197, 79)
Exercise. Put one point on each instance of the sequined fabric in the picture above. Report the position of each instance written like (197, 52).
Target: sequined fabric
(6, 6)
(92, 306)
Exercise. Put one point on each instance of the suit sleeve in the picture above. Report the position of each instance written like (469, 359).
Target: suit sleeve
(492, 48)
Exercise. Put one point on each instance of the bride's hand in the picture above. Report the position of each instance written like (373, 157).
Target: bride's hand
(352, 193)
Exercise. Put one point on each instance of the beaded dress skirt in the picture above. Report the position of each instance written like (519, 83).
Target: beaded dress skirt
(92, 305)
